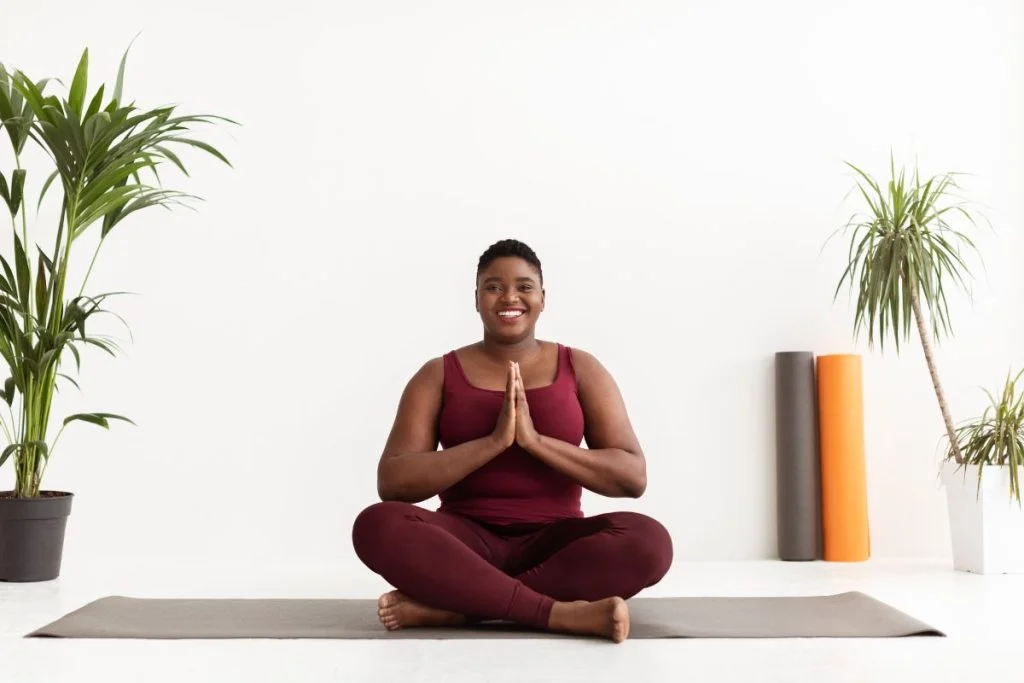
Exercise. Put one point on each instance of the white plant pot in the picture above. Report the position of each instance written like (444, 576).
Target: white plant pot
(986, 526)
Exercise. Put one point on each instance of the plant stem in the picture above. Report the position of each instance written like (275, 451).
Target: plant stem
(926, 344)
(7, 432)
(25, 245)
(24, 220)
(92, 261)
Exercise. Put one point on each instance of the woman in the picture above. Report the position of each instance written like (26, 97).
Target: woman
(509, 540)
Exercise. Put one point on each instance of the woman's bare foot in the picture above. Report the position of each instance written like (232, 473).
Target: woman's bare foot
(608, 618)
(396, 610)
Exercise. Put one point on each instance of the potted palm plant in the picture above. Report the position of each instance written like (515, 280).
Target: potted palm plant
(986, 519)
(100, 147)
(904, 258)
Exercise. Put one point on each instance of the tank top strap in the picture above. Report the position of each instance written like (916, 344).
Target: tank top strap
(567, 374)
(453, 376)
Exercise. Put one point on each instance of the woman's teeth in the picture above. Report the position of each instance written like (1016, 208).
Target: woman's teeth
(510, 314)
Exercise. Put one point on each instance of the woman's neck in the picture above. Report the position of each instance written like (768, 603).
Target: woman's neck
(504, 352)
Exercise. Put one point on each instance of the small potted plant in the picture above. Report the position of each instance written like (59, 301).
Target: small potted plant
(986, 519)
(100, 147)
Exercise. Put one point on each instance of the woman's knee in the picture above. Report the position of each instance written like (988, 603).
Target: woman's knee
(372, 527)
(650, 544)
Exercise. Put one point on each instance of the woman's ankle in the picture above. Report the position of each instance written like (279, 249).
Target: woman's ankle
(607, 618)
(563, 616)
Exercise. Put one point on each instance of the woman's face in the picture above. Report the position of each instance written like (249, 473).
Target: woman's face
(509, 298)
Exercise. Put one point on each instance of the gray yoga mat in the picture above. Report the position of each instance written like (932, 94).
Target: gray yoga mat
(798, 471)
(846, 615)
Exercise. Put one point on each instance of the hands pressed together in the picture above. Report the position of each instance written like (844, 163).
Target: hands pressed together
(514, 422)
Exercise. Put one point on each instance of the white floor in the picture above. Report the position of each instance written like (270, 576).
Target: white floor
(980, 614)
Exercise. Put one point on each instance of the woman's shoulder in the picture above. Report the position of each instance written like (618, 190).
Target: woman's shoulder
(436, 363)
(585, 364)
(430, 373)
(580, 357)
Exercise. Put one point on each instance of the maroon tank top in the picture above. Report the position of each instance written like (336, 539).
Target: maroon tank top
(514, 487)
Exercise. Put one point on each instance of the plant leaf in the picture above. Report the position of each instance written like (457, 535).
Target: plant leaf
(42, 291)
(203, 146)
(95, 104)
(7, 452)
(79, 84)
(100, 419)
(10, 276)
(17, 190)
(118, 86)
(5, 194)
(21, 265)
(70, 379)
(46, 186)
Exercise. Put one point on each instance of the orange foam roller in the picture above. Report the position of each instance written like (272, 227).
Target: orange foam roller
(844, 494)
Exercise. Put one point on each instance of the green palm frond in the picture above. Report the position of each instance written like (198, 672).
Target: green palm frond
(15, 113)
(99, 153)
(905, 242)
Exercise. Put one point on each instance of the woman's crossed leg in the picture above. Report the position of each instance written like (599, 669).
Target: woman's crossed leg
(571, 576)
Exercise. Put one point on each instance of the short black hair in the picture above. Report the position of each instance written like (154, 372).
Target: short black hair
(506, 248)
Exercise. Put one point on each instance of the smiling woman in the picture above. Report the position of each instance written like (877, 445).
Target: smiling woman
(510, 541)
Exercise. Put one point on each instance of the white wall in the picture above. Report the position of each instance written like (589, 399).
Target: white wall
(676, 165)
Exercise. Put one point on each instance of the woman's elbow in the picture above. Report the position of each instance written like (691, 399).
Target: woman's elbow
(388, 486)
(637, 483)
(389, 490)
(636, 487)
(386, 493)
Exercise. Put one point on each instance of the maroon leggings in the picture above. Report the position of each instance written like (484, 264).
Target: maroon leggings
(510, 573)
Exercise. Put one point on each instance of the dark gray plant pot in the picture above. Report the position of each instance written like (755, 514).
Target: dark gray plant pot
(32, 535)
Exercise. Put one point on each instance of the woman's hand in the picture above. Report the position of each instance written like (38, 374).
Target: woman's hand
(526, 435)
(613, 463)
(505, 430)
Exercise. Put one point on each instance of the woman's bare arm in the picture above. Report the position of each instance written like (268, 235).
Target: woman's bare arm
(411, 469)
(613, 463)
